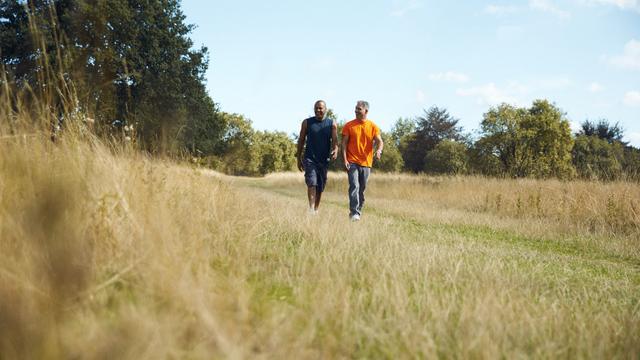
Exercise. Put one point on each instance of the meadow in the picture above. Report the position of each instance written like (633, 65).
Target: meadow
(108, 253)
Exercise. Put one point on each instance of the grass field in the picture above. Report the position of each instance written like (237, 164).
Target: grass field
(106, 253)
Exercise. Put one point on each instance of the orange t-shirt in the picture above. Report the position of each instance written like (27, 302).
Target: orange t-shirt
(360, 146)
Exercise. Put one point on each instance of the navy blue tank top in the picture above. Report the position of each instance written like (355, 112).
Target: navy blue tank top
(318, 140)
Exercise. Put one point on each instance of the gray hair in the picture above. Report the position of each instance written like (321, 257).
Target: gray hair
(364, 104)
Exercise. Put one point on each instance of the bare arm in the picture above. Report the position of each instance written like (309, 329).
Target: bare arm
(379, 144)
(334, 140)
(345, 141)
(301, 139)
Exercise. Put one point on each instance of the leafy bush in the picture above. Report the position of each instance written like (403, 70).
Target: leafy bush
(391, 159)
(534, 142)
(595, 158)
(448, 157)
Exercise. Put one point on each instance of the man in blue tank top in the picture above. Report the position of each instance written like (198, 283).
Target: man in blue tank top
(321, 137)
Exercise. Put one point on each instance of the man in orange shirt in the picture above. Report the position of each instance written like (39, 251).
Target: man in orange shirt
(359, 137)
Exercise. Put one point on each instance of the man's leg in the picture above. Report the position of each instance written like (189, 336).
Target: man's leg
(318, 196)
(353, 190)
(322, 182)
(311, 179)
(321, 176)
(363, 177)
(313, 199)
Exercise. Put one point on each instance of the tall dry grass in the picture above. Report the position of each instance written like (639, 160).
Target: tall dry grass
(599, 207)
(571, 207)
(107, 253)
(110, 254)
(82, 230)
(577, 215)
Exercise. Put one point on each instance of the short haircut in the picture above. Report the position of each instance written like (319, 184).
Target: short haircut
(320, 101)
(364, 104)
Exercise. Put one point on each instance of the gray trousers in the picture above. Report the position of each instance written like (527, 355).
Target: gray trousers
(358, 176)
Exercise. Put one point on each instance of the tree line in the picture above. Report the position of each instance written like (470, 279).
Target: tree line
(131, 65)
(515, 142)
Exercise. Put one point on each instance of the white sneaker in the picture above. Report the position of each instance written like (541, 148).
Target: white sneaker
(312, 211)
(355, 217)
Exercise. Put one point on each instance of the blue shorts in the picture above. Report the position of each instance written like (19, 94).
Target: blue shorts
(315, 174)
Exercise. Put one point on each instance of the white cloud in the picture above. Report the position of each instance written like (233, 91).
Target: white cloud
(595, 87)
(632, 98)
(449, 76)
(420, 97)
(630, 59)
(490, 94)
(622, 4)
(405, 7)
(548, 6)
(513, 92)
(500, 9)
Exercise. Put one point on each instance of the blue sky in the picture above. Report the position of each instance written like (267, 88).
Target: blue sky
(270, 60)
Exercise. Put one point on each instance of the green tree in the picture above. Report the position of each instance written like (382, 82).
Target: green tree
(595, 158)
(16, 43)
(631, 162)
(203, 130)
(524, 142)
(237, 155)
(33, 60)
(627, 156)
(338, 164)
(402, 128)
(391, 159)
(448, 157)
(132, 61)
(435, 126)
(498, 148)
(602, 129)
(547, 135)
(483, 159)
(273, 151)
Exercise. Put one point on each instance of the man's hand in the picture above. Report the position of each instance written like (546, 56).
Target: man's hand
(301, 140)
(300, 167)
(346, 165)
(379, 144)
(334, 153)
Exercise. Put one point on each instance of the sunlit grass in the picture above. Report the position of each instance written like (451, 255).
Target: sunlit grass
(110, 254)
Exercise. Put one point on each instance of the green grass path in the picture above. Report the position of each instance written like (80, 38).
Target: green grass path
(566, 246)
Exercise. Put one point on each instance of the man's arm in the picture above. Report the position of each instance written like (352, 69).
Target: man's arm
(334, 140)
(345, 141)
(379, 144)
(301, 139)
